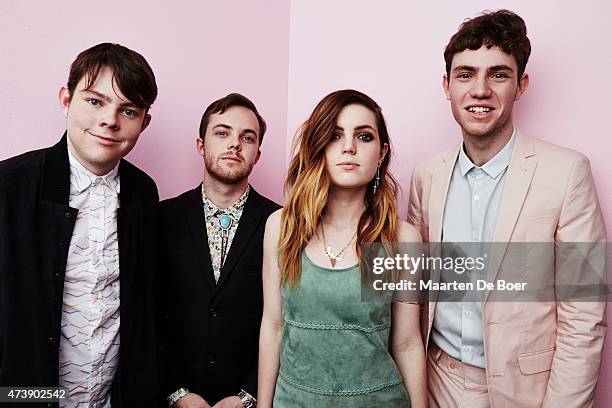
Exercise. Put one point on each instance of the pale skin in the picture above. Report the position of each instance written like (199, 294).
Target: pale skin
(482, 87)
(356, 141)
(229, 135)
(102, 124)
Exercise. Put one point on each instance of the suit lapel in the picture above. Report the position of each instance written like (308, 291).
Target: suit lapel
(196, 222)
(518, 179)
(439, 189)
(129, 223)
(437, 201)
(247, 226)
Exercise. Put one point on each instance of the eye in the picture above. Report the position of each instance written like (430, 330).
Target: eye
(249, 138)
(499, 75)
(464, 75)
(336, 136)
(93, 101)
(130, 112)
(221, 133)
(365, 137)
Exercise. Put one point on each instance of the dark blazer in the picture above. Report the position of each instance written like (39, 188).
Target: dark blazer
(36, 226)
(212, 329)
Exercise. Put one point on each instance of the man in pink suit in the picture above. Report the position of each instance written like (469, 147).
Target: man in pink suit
(503, 186)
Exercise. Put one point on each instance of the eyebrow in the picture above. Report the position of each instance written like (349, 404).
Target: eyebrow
(108, 99)
(494, 68)
(361, 127)
(224, 126)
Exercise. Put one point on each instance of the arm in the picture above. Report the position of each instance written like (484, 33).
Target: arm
(406, 345)
(415, 213)
(272, 320)
(581, 326)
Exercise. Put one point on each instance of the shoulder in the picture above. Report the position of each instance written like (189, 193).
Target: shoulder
(142, 178)
(426, 167)
(556, 153)
(273, 225)
(265, 203)
(15, 167)
(178, 203)
(408, 233)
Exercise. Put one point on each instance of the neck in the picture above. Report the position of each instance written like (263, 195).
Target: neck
(481, 149)
(344, 208)
(223, 195)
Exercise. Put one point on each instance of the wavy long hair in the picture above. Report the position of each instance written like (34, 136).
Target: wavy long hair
(307, 185)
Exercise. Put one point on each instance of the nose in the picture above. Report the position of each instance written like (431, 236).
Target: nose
(348, 145)
(481, 88)
(110, 118)
(234, 142)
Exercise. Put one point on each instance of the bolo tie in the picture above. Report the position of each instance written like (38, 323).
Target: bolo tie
(225, 222)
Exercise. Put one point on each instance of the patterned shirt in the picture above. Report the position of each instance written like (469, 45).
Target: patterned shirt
(89, 344)
(213, 214)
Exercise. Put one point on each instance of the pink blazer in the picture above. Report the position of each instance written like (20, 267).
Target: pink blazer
(538, 354)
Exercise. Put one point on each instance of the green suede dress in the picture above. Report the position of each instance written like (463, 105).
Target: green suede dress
(334, 350)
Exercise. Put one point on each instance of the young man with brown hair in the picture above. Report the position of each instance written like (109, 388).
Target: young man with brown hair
(77, 229)
(211, 252)
(504, 187)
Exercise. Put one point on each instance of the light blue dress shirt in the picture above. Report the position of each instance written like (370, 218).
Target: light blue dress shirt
(470, 213)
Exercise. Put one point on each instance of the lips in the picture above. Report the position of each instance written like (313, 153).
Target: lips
(348, 165)
(231, 158)
(106, 140)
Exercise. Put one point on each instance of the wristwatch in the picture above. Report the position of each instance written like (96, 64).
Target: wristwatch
(247, 400)
(176, 396)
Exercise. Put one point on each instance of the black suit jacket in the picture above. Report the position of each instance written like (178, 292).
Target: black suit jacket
(212, 329)
(36, 226)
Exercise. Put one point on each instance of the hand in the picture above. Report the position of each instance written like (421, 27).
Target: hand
(229, 402)
(192, 400)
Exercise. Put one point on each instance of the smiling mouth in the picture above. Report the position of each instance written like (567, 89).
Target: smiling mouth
(104, 138)
(479, 110)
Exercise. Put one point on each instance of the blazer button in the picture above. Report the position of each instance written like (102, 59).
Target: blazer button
(51, 340)
(212, 312)
(68, 215)
(211, 359)
(61, 244)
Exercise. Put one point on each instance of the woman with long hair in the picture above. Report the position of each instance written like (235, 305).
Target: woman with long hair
(320, 345)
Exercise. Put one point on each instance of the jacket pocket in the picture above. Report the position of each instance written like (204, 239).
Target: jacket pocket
(537, 362)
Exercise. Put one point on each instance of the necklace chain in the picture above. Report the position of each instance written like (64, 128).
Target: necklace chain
(333, 258)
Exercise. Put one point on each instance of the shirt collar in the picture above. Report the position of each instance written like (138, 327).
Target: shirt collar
(235, 210)
(494, 167)
(83, 178)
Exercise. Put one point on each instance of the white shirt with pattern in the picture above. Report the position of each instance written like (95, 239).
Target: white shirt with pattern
(89, 344)
(212, 214)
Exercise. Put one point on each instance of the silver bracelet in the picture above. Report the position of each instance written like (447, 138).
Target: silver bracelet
(247, 400)
(176, 396)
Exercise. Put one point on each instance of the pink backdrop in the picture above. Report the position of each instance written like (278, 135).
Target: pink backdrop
(286, 56)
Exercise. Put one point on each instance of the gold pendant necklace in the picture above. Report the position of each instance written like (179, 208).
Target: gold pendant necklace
(333, 258)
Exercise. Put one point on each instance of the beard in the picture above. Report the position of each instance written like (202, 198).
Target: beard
(227, 175)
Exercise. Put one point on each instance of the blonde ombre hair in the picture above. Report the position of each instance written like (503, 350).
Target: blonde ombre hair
(307, 185)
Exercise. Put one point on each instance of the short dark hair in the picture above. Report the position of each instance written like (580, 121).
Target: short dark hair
(221, 105)
(501, 28)
(131, 72)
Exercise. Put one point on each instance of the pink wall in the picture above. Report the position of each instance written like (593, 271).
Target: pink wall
(392, 50)
(199, 52)
(286, 56)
